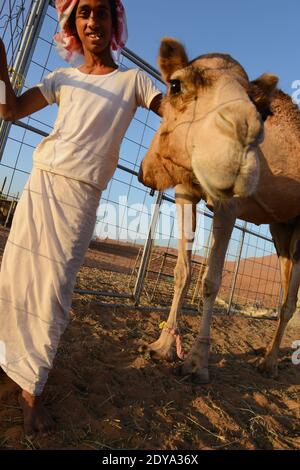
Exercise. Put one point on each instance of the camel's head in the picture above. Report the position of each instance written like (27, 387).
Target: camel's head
(211, 125)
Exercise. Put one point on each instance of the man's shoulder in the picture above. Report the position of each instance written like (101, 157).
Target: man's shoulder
(61, 72)
(128, 72)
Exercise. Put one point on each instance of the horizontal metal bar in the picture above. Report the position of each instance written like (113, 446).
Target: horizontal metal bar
(147, 308)
(251, 232)
(172, 255)
(103, 293)
(128, 170)
(199, 211)
(144, 308)
(30, 128)
(142, 64)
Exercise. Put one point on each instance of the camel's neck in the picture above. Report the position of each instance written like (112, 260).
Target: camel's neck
(286, 116)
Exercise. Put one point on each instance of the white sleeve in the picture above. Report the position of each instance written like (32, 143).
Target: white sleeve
(49, 87)
(145, 90)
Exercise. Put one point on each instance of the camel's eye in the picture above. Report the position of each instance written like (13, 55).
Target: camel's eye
(175, 87)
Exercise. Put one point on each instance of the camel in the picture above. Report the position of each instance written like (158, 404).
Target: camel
(236, 144)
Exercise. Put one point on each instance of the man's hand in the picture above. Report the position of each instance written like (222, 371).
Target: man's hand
(11, 106)
(156, 105)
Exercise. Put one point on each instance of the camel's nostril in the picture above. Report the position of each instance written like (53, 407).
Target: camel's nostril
(241, 121)
(228, 192)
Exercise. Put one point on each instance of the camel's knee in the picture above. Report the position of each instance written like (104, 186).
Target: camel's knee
(182, 275)
(287, 311)
(210, 287)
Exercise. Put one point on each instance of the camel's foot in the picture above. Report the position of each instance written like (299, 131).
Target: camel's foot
(194, 372)
(268, 366)
(195, 365)
(163, 348)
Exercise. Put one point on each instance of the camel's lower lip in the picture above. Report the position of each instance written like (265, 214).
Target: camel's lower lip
(214, 193)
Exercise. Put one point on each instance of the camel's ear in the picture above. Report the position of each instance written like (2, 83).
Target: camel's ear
(261, 92)
(172, 57)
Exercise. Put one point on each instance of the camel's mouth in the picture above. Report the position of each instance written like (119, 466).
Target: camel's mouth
(222, 182)
(213, 192)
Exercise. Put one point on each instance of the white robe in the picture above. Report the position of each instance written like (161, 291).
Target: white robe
(51, 231)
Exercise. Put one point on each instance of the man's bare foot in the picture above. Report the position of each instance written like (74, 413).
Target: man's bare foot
(36, 418)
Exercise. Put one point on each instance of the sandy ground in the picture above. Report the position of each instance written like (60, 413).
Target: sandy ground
(104, 394)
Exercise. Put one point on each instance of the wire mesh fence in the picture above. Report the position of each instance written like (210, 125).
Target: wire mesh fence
(125, 264)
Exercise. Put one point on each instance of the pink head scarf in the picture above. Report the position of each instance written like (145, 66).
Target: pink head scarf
(69, 46)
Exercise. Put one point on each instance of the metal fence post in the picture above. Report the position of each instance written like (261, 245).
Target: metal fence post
(236, 271)
(9, 212)
(147, 250)
(30, 34)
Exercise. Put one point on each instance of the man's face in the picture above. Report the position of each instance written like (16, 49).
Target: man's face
(94, 25)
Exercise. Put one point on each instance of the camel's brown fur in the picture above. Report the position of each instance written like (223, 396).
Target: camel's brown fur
(275, 200)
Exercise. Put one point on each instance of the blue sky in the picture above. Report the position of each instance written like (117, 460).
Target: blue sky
(263, 35)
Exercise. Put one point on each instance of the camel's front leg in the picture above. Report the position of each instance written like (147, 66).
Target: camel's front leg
(169, 341)
(196, 363)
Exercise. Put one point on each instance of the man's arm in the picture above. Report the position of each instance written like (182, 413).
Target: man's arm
(12, 106)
